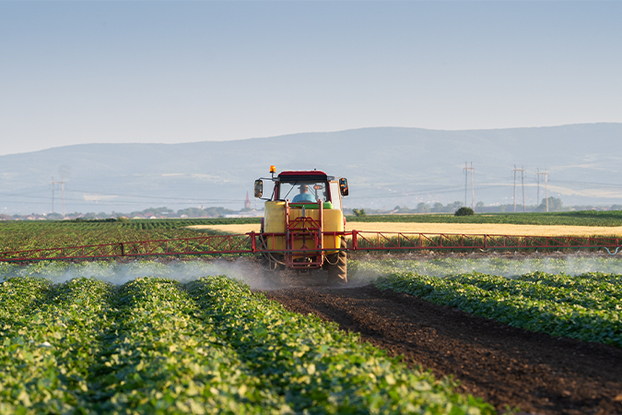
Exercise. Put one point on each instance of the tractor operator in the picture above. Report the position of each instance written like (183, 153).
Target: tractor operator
(303, 196)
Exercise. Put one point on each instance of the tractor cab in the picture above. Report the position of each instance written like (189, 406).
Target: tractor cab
(305, 187)
(303, 191)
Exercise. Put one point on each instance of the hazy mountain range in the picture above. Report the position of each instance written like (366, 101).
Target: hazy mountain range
(385, 167)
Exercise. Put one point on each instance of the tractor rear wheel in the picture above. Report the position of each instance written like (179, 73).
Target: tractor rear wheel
(337, 266)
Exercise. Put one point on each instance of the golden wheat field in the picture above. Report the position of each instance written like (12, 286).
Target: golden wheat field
(486, 228)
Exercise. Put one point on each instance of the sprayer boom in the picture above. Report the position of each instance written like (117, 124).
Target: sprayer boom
(255, 243)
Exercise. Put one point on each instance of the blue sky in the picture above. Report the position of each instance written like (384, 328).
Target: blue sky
(167, 72)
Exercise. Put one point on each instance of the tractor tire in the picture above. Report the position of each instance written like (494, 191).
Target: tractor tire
(337, 266)
(271, 273)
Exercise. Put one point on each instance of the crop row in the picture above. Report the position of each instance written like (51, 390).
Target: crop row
(49, 345)
(209, 346)
(586, 307)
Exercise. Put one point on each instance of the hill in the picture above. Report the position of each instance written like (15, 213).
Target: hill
(385, 167)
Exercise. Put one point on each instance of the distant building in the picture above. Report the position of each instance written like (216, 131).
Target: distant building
(245, 214)
(247, 204)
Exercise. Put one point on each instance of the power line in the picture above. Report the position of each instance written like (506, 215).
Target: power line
(591, 184)
(522, 170)
(454, 189)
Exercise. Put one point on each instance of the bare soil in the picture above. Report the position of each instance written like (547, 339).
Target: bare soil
(506, 366)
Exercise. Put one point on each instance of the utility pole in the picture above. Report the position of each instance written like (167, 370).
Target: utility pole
(522, 179)
(466, 170)
(546, 186)
(62, 186)
(52, 183)
(538, 180)
(522, 170)
(465, 183)
(472, 190)
(514, 187)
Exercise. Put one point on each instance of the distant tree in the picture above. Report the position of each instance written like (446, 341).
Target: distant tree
(555, 205)
(154, 211)
(192, 212)
(438, 207)
(202, 213)
(359, 212)
(616, 207)
(451, 207)
(464, 211)
(479, 205)
(422, 208)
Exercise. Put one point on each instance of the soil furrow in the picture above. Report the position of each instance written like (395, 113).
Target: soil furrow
(506, 366)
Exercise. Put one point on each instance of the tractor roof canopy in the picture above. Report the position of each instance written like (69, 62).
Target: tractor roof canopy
(296, 176)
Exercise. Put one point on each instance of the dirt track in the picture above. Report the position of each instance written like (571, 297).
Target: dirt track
(507, 367)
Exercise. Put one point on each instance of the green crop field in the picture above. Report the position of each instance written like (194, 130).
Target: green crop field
(211, 345)
(145, 337)
(24, 235)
